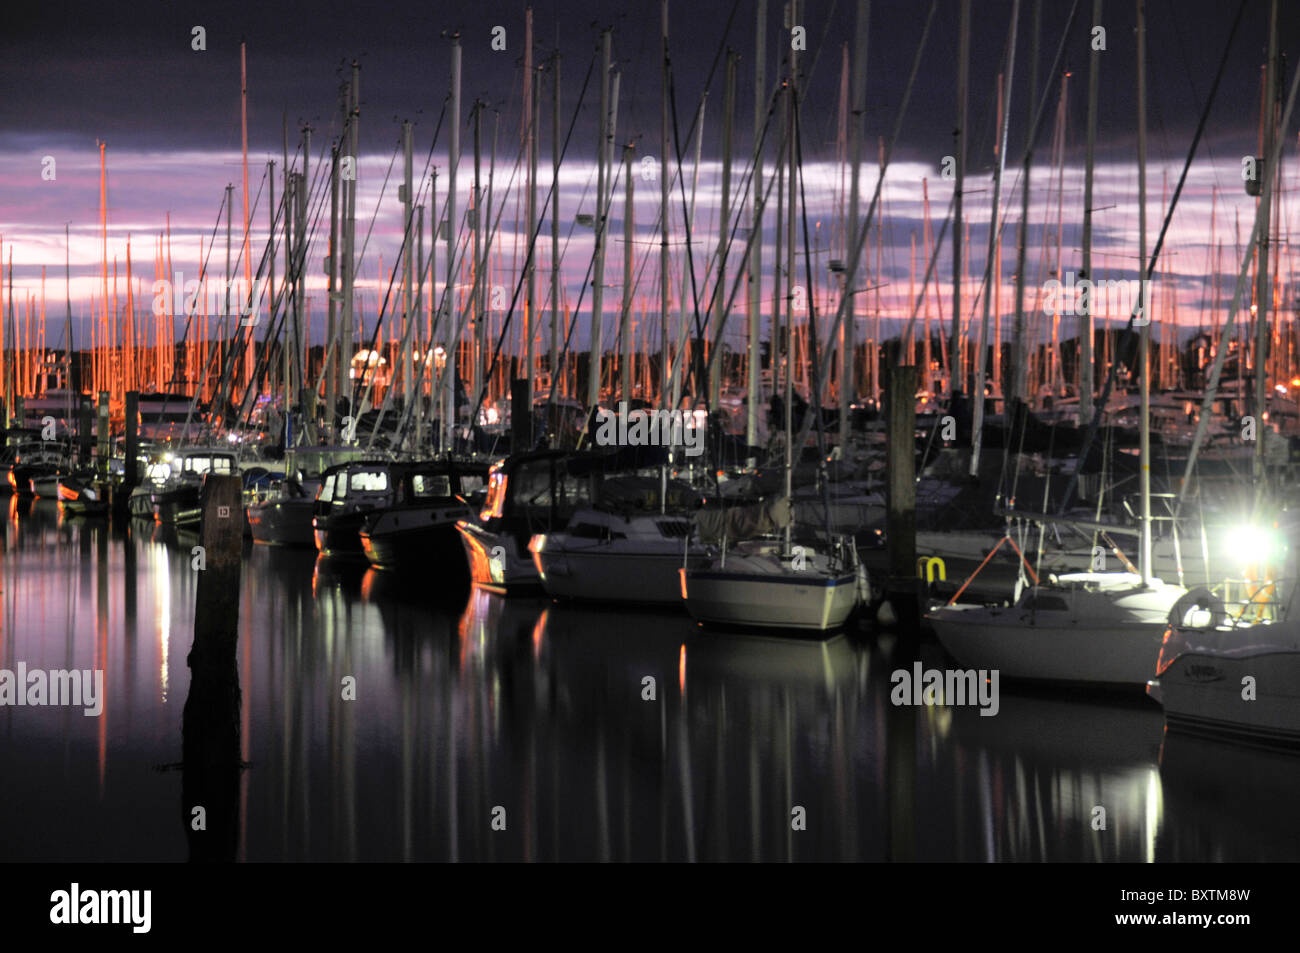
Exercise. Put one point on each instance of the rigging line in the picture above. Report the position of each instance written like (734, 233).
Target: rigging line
(812, 314)
(701, 386)
(741, 274)
(541, 218)
(1127, 333)
(823, 367)
(427, 269)
(532, 247)
(493, 230)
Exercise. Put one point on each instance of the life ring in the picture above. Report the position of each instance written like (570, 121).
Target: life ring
(1198, 598)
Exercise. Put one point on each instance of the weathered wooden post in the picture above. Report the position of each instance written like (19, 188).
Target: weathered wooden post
(210, 723)
(900, 525)
(103, 437)
(131, 477)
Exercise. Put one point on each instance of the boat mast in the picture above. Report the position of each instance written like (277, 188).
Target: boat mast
(665, 356)
(755, 221)
(530, 144)
(626, 376)
(1263, 291)
(1144, 384)
(792, 18)
(1020, 344)
(1086, 385)
(857, 108)
(408, 246)
(977, 393)
(556, 319)
(956, 362)
(450, 337)
(598, 276)
(348, 264)
(724, 225)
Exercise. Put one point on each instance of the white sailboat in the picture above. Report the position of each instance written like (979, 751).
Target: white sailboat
(765, 581)
(1095, 627)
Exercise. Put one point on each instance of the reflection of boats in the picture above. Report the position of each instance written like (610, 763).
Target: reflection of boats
(1095, 628)
(731, 656)
(1238, 798)
(626, 548)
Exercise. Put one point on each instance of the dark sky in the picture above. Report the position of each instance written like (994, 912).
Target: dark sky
(126, 72)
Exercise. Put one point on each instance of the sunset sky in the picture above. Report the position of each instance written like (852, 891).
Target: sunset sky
(170, 118)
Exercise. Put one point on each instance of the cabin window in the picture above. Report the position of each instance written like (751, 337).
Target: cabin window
(327, 489)
(1047, 603)
(367, 481)
(431, 484)
(470, 484)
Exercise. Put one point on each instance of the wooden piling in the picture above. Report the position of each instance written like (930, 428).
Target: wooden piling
(103, 437)
(130, 477)
(210, 723)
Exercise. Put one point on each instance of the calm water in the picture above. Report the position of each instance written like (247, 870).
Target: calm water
(538, 709)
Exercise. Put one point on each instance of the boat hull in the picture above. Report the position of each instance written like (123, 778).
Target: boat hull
(769, 601)
(417, 538)
(605, 571)
(178, 507)
(1115, 654)
(282, 522)
(339, 534)
(497, 561)
(1205, 694)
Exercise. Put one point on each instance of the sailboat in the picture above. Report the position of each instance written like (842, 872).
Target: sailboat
(1099, 628)
(765, 581)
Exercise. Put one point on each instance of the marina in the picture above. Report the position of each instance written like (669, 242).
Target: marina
(814, 435)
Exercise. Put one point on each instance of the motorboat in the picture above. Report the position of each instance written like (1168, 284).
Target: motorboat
(285, 517)
(176, 500)
(348, 493)
(419, 530)
(627, 547)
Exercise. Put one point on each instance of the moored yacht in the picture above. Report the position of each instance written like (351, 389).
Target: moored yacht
(348, 493)
(627, 547)
(176, 500)
(285, 517)
(1098, 628)
(772, 579)
(527, 494)
(419, 530)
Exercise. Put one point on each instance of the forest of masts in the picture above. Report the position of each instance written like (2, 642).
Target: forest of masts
(504, 303)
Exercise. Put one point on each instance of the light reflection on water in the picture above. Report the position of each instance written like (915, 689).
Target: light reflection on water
(538, 709)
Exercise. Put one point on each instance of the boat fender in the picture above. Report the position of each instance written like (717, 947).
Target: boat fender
(1198, 598)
